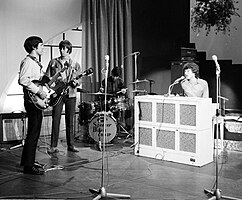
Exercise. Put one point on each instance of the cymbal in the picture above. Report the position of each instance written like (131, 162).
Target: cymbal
(139, 91)
(140, 81)
(100, 93)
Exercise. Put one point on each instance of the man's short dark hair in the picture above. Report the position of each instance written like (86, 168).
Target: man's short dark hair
(67, 44)
(116, 71)
(193, 66)
(32, 42)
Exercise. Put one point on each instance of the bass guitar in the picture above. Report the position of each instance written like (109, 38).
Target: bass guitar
(48, 86)
(57, 96)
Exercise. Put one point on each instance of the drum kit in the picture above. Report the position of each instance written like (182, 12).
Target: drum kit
(91, 116)
(119, 111)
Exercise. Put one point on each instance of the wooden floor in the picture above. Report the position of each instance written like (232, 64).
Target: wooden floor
(72, 175)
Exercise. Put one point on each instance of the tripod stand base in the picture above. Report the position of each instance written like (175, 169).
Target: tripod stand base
(102, 193)
(216, 195)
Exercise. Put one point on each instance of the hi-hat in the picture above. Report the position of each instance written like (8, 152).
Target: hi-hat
(100, 93)
(140, 81)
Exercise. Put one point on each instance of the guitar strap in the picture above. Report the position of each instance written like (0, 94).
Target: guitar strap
(35, 59)
(70, 71)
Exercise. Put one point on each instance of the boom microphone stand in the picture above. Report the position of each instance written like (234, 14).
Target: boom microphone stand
(216, 193)
(102, 191)
(172, 85)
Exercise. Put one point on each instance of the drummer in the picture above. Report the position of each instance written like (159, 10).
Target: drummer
(115, 86)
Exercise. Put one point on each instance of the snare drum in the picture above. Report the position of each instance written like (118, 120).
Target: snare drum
(120, 104)
(96, 127)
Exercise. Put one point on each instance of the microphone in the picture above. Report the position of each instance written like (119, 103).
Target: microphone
(215, 59)
(179, 79)
(105, 69)
(135, 53)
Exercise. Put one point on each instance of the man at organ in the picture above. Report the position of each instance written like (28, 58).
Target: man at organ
(192, 85)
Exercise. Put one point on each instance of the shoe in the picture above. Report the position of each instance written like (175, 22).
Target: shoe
(73, 149)
(53, 150)
(39, 165)
(33, 170)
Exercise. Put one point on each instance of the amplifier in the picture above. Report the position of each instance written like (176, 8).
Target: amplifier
(188, 54)
(12, 126)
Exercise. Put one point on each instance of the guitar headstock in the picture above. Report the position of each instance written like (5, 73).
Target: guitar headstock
(88, 72)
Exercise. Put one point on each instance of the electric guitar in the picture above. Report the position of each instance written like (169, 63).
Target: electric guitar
(57, 96)
(48, 86)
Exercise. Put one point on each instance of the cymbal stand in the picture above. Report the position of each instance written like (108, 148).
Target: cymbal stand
(102, 193)
(119, 124)
(216, 193)
(23, 132)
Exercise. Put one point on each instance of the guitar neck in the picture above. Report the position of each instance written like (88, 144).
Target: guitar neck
(54, 78)
(57, 74)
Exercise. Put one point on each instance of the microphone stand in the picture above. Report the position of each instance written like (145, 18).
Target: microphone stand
(101, 193)
(170, 88)
(135, 65)
(216, 193)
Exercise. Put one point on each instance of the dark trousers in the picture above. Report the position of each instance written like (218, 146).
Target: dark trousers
(35, 117)
(70, 105)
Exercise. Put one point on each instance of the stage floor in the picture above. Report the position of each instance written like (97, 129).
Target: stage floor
(71, 175)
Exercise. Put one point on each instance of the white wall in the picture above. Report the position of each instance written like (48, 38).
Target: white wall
(22, 18)
(228, 46)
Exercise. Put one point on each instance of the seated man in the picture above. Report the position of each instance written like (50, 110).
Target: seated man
(192, 85)
(115, 86)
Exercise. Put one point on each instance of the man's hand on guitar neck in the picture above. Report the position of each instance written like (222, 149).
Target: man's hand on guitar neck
(74, 83)
(41, 93)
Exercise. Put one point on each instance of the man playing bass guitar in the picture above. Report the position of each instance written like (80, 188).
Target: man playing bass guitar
(69, 98)
(31, 69)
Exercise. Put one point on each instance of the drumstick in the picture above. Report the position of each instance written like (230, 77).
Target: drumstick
(121, 91)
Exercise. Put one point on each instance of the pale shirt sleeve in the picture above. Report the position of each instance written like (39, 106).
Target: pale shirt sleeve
(206, 90)
(29, 71)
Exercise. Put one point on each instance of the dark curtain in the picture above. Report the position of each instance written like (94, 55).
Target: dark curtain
(107, 31)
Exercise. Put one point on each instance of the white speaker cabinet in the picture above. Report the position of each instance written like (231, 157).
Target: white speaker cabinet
(177, 129)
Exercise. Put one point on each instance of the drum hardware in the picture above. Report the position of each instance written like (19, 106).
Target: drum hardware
(121, 91)
(100, 93)
(121, 129)
(142, 81)
(121, 108)
(139, 91)
(139, 81)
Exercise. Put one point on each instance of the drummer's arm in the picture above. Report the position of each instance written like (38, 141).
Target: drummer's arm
(122, 86)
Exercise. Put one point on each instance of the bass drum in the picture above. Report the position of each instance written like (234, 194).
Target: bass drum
(96, 127)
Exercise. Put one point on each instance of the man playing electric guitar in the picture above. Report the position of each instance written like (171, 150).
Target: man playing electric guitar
(50, 88)
(69, 99)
